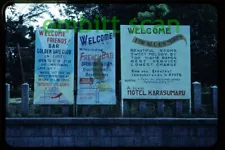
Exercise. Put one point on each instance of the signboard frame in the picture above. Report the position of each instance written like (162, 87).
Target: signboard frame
(153, 43)
(52, 49)
(97, 35)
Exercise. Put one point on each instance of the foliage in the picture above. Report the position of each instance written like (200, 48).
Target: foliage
(156, 11)
(18, 32)
(203, 20)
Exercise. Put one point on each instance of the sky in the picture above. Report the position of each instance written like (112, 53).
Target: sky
(24, 9)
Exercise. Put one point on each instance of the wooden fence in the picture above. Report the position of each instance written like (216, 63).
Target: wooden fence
(195, 103)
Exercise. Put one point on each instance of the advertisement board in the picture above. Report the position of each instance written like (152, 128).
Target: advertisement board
(155, 62)
(54, 67)
(96, 68)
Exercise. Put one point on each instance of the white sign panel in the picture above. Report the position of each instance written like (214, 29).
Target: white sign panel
(155, 62)
(54, 67)
(96, 68)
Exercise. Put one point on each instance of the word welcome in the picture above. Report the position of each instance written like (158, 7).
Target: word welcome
(95, 39)
(85, 25)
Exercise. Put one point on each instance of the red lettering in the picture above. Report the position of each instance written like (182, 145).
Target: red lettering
(40, 32)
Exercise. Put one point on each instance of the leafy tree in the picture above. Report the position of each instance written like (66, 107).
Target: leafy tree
(156, 11)
(202, 19)
(19, 32)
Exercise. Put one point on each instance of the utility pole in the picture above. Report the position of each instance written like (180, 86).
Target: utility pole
(21, 64)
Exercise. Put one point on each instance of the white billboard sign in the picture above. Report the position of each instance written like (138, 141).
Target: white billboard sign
(54, 67)
(96, 68)
(155, 62)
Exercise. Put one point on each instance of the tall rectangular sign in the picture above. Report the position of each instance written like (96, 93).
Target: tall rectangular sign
(96, 67)
(54, 67)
